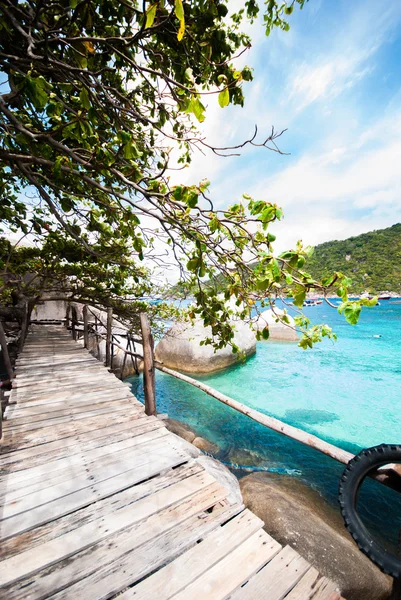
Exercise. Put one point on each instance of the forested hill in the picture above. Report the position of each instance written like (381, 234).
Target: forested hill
(372, 260)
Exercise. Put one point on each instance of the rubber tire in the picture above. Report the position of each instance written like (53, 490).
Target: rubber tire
(352, 478)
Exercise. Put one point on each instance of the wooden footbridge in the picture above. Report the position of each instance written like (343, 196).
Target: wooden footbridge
(98, 500)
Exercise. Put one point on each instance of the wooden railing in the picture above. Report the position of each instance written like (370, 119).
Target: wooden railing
(150, 365)
(89, 328)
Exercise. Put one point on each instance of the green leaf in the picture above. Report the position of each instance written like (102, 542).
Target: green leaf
(193, 264)
(131, 151)
(224, 98)
(198, 109)
(36, 90)
(57, 167)
(369, 302)
(179, 10)
(266, 333)
(299, 298)
(263, 284)
(352, 313)
(150, 15)
(84, 97)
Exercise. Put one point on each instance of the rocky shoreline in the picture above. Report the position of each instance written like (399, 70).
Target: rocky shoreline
(296, 515)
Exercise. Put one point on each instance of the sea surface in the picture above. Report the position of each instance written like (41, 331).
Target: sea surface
(346, 392)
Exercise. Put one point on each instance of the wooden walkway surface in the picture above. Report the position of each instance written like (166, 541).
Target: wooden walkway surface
(97, 500)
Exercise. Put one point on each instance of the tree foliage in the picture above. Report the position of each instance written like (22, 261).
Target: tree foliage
(372, 260)
(97, 94)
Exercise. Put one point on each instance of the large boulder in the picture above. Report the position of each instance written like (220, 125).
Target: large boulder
(296, 515)
(277, 330)
(180, 429)
(180, 348)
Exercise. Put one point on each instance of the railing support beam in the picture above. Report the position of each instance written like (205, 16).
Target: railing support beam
(109, 325)
(149, 385)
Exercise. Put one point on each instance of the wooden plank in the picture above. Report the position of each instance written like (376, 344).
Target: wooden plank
(276, 579)
(233, 570)
(88, 487)
(149, 556)
(15, 411)
(41, 398)
(38, 478)
(37, 455)
(19, 440)
(93, 512)
(33, 422)
(178, 574)
(149, 466)
(31, 561)
(314, 587)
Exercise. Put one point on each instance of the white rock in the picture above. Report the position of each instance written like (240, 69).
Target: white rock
(223, 476)
(180, 348)
(278, 331)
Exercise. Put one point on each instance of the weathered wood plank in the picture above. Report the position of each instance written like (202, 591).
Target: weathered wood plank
(276, 579)
(195, 500)
(192, 564)
(42, 556)
(28, 512)
(314, 587)
(67, 416)
(233, 570)
(36, 455)
(93, 512)
(52, 473)
(15, 411)
(18, 440)
(149, 556)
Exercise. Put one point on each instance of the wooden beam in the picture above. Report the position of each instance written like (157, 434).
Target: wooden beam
(67, 316)
(86, 332)
(24, 328)
(6, 356)
(108, 335)
(293, 432)
(149, 385)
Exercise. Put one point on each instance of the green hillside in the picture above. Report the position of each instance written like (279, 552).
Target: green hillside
(372, 260)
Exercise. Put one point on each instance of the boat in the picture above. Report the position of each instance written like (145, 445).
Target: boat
(312, 302)
(385, 297)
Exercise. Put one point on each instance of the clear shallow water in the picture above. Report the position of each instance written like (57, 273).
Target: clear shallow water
(347, 393)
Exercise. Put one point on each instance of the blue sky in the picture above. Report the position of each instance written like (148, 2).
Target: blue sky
(334, 80)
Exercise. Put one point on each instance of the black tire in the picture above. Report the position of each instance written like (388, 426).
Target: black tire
(352, 478)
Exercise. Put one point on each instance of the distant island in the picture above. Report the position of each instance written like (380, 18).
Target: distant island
(372, 260)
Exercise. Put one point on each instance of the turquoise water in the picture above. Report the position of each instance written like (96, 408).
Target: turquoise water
(347, 393)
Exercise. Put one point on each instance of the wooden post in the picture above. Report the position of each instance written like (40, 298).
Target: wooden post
(1, 412)
(74, 320)
(112, 352)
(124, 359)
(86, 332)
(67, 316)
(24, 328)
(97, 340)
(108, 335)
(149, 385)
(6, 356)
